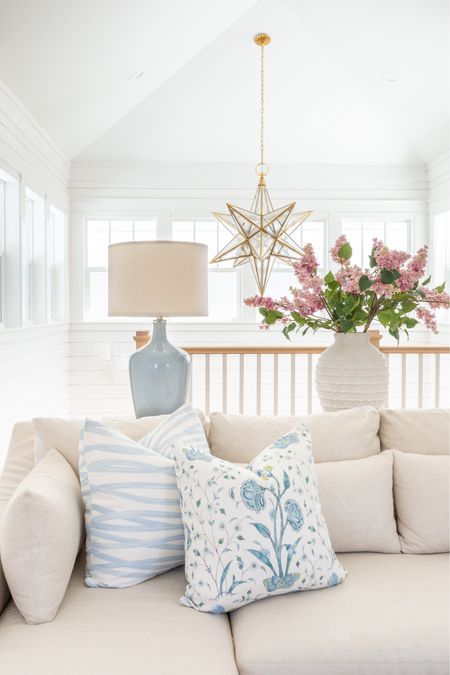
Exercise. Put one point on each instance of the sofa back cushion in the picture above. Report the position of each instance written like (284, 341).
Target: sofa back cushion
(347, 434)
(64, 435)
(18, 464)
(40, 536)
(358, 505)
(421, 491)
(425, 432)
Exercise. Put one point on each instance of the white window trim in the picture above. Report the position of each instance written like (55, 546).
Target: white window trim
(87, 270)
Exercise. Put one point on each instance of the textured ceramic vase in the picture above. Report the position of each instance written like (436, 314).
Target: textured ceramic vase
(159, 375)
(351, 373)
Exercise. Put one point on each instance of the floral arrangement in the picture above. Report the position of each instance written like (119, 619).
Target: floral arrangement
(390, 290)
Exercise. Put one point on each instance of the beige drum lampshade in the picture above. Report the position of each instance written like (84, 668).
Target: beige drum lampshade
(158, 278)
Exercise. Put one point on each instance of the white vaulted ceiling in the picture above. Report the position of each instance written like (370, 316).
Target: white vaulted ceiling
(327, 98)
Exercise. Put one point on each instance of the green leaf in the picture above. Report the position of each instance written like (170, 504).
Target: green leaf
(394, 333)
(440, 289)
(409, 322)
(408, 306)
(272, 316)
(345, 252)
(365, 283)
(286, 481)
(198, 502)
(263, 311)
(372, 259)
(427, 281)
(329, 277)
(389, 276)
(384, 317)
(288, 329)
(346, 325)
(262, 529)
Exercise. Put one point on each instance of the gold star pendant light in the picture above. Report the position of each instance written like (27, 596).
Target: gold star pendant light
(262, 234)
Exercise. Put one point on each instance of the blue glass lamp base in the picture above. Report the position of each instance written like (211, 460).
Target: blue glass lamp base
(159, 375)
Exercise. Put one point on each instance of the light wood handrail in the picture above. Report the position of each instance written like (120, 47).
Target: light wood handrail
(314, 349)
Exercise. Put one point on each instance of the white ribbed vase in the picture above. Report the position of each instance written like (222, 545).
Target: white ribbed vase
(351, 372)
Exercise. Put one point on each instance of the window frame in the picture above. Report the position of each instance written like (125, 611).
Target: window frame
(88, 270)
(380, 218)
(239, 272)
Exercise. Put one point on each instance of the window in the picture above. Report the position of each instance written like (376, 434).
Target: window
(56, 266)
(282, 277)
(223, 279)
(99, 235)
(34, 261)
(2, 249)
(360, 234)
(441, 257)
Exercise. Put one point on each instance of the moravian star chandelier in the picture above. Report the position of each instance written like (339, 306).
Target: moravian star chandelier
(262, 234)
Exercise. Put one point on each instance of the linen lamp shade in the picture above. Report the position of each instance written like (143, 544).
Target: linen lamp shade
(158, 278)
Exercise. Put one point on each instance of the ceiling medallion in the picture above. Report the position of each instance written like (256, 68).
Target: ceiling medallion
(262, 234)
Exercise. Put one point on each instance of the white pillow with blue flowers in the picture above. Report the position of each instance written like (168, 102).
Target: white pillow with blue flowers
(256, 531)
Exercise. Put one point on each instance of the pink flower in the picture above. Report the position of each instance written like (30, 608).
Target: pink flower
(439, 300)
(349, 277)
(415, 269)
(380, 289)
(340, 241)
(428, 317)
(389, 259)
(259, 301)
(307, 265)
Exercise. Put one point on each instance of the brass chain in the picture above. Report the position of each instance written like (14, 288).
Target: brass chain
(261, 102)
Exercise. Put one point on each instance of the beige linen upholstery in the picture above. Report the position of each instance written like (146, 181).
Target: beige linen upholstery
(19, 462)
(64, 435)
(40, 536)
(347, 434)
(389, 616)
(421, 489)
(142, 630)
(358, 505)
(420, 431)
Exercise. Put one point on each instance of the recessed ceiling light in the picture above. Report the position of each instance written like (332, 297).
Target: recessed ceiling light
(137, 75)
(389, 77)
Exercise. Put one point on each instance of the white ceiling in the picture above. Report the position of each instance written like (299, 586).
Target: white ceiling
(327, 100)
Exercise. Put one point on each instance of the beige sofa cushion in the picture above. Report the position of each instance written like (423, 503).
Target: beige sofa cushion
(64, 435)
(421, 431)
(19, 462)
(142, 630)
(358, 505)
(347, 434)
(391, 616)
(421, 491)
(40, 536)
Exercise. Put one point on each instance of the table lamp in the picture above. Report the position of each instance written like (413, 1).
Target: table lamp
(158, 279)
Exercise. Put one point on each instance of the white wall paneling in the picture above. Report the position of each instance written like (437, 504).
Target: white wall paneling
(33, 375)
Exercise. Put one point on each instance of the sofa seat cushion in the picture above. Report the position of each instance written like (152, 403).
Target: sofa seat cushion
(390, 616)
(141, 630)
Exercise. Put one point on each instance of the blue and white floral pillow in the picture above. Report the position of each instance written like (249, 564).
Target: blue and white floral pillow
(256, 531)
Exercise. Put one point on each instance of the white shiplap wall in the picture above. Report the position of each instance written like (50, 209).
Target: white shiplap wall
(33, 376)
(33, 359)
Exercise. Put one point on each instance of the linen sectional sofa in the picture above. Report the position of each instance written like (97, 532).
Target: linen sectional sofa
(387, 514)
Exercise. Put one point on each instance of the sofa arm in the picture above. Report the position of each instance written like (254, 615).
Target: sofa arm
(18, 464)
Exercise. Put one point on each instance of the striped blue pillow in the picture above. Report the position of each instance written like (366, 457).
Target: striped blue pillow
(134, 529)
